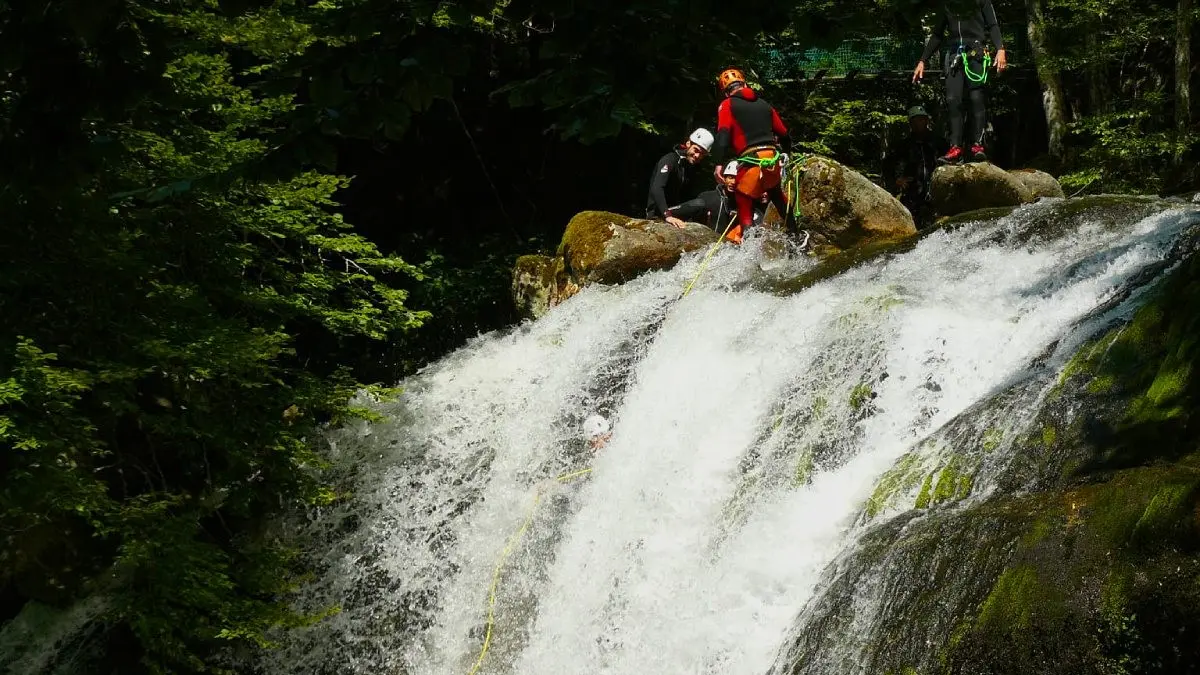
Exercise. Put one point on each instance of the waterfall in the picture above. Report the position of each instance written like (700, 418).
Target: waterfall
(761, 443)
(750, 431)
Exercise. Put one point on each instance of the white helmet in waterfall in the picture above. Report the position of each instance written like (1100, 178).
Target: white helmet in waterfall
(595, 426)
(703, 138)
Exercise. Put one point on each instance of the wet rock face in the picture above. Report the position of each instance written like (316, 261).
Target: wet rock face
(842, 206)
(1084, 559)
(536, 284)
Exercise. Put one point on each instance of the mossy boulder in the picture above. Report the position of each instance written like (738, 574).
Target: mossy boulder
(841, 206)
(608, 248)
(539, 283)
(981, 185)
(1082, 557)
(1105, 577)
(1040, 183)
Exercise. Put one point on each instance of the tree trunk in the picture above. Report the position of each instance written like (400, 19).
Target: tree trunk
(1052, 93)
(1183, 76)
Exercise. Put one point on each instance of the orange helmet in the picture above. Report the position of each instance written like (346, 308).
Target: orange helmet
(728, 77)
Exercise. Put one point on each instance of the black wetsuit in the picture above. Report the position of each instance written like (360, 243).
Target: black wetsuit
(668, 183)
(916, 160)
(967, 25)
(713, 208)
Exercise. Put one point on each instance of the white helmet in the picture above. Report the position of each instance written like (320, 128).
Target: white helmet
(703, 138)
(595, 426)
(731, 168)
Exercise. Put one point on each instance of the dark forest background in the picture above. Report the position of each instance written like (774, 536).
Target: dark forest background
(223, 217)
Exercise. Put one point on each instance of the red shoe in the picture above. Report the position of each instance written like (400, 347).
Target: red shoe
(954, 156)
(978, 154)
(734, 234)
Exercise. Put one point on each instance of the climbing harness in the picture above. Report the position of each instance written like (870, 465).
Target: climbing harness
(973, 76)
(508, 549)
(761, 162)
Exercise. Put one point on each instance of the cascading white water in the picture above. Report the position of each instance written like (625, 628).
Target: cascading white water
(749, 430)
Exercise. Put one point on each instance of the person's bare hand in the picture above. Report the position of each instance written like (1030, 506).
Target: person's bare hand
(903, 182)
(676, 222)
(1001, 61)
(919, 71)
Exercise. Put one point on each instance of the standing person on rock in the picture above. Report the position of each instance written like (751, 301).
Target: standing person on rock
(974, 32)
(909, 169)
(749, 129)
(673, 174)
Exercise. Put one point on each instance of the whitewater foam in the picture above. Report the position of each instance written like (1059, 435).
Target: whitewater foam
(748, 431)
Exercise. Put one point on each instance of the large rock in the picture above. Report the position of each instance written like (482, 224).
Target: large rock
(607, 248)
(982, 185)
(841, 206)
(1040, 183)
(538, 284)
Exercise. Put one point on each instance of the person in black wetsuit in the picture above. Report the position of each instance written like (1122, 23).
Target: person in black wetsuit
(673, 173)
(968, 23)
(909, 169)
(715, 208)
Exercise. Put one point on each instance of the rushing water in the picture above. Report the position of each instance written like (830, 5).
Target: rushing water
(749, 433)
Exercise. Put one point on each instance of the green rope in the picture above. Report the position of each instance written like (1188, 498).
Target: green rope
(973, 76)
(792, 183)
(761, 163)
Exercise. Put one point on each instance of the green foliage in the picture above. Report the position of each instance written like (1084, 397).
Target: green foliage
(1127, 150)
(463, 288)
(1118, 69)
(176, 307)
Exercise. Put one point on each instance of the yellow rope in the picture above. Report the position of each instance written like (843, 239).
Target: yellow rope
(537, 495)
(711, 250)
(508, 549)
(574, 474)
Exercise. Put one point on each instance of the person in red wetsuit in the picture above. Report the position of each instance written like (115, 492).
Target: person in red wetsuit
(749, 129)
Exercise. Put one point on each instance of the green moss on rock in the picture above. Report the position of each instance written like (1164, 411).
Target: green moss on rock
(608, 248)
(947, 483)
(901, 478)
(804, 468)
(1088, 561)
(925, 496)
(1013, 600)
(1049, 435)
(992, 438)
(861, 395)
(1093, 556)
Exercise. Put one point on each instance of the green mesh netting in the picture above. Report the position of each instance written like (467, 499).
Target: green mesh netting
(864, 55)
